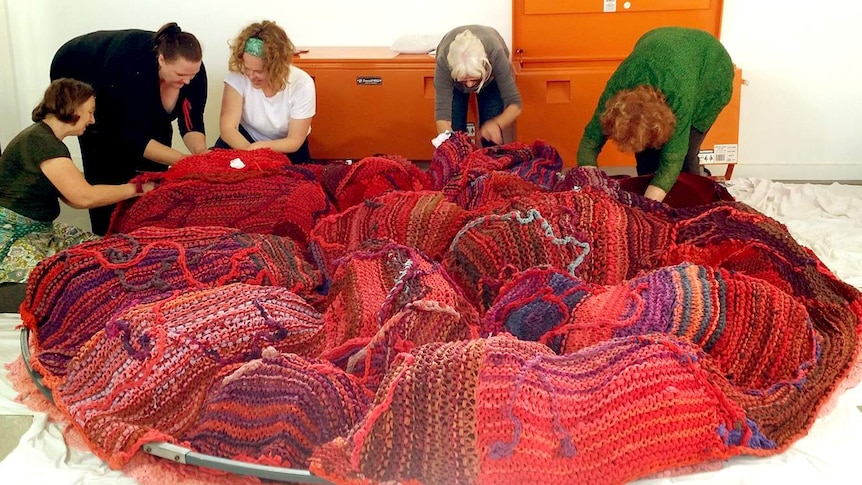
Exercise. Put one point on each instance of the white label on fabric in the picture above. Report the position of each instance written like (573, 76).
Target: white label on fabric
(610, 5)
(237, 164)
(725, 153)
(471, 129)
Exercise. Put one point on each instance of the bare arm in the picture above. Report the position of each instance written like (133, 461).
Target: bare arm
(231, 112)
(297, 132)
(78, 193)
(497, 129)
(443, 125)
(655, 193)
(163, 154)
(196, 142)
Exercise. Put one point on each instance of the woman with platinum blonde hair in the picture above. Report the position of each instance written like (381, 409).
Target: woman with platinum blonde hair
(475, 59)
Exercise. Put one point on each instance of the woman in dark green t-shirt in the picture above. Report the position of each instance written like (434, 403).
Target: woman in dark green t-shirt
(36, 170)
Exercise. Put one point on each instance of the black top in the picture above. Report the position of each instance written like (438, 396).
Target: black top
(122, 66)
(23, 187)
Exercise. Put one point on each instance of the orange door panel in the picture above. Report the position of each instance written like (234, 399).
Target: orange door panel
(559, 102)
(370, 100)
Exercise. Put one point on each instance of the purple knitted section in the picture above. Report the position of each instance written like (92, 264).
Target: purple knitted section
(146, 376)
(73, 294)
(277, 409)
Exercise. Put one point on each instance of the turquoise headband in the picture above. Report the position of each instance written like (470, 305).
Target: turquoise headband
(254, 46)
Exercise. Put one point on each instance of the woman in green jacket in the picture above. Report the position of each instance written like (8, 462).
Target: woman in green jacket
(660, 102)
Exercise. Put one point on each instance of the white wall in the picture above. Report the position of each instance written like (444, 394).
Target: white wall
(800, 109)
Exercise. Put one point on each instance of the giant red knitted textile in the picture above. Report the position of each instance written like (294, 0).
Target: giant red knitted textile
(277, 409)
(73, 294)
(693, 334)
(146, 375)
(266, 196)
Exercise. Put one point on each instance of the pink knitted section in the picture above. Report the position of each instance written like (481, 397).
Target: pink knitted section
(389, 298)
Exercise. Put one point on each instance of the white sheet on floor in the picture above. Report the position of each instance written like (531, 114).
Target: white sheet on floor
(827, 219)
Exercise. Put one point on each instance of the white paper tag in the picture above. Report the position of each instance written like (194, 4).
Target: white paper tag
(439, 139)
(610, 5)
(237, 164)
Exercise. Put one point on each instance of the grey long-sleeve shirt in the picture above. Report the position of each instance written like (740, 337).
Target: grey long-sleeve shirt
(498, 56)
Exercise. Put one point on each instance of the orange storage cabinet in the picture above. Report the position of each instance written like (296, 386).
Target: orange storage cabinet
(564, 51)
(370, 100)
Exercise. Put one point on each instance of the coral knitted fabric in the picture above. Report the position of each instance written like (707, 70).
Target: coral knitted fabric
(276, 199)
(73, 294)
(569, 231)
(388, 298)
(422, 220)
(504, 411)
(146, 375)
(277, 409)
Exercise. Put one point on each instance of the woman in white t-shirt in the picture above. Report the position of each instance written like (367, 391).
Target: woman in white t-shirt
(267, 102)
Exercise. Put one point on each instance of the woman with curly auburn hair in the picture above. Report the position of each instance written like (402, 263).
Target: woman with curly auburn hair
(267, 102)
(660, 102)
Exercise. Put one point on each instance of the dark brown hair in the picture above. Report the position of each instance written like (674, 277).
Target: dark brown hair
(638, 119)
(62, 98)
(171, 42)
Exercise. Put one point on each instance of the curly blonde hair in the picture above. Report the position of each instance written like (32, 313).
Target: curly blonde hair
(467, 58)
(277, 48)
(638, 119)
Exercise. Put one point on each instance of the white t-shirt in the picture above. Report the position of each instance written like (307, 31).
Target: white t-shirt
(267, 118)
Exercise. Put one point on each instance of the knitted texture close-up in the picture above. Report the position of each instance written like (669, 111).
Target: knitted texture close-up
(146, 376)
(72, 295)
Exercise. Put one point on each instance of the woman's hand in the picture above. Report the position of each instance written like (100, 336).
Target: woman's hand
(492, 131)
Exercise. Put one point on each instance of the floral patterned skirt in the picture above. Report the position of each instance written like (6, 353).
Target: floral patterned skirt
(24, 242)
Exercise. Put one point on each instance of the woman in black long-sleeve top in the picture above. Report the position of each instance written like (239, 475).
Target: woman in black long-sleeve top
(143, 80)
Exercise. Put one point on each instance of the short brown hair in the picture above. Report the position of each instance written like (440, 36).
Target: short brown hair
(638, 119)
(62, 98)
(278, 51)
